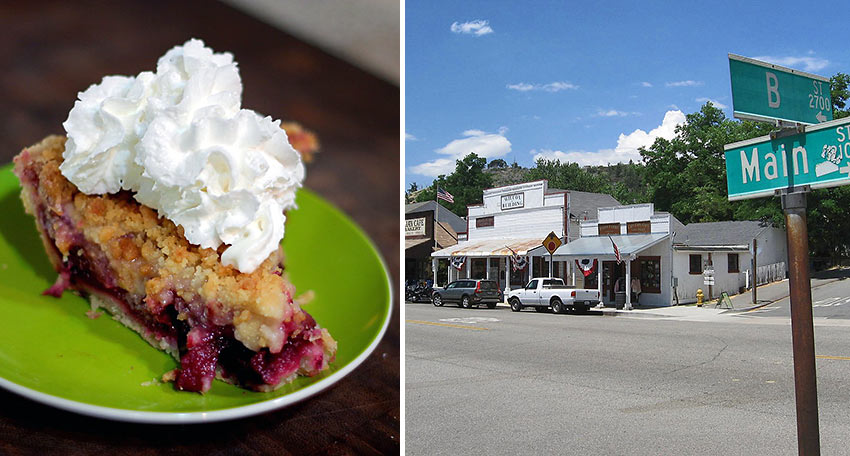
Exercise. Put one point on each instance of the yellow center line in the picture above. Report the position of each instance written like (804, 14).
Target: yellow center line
(845, 358)
(421, 322)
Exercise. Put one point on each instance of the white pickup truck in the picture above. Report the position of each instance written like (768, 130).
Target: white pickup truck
(544, 292)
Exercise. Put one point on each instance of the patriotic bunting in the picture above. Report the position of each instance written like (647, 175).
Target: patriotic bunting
(586, 265)
(458, 261)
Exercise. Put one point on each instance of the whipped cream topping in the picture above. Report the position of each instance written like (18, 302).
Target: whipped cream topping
(179, 139)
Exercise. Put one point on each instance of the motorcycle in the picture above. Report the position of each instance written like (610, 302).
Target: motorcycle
(418, 291)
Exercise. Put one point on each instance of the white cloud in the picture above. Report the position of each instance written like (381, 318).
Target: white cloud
(645, 84)
(477, 28)
(627, 145)
(409, 137)
(521, 86)
(716, 103)
(487, 145)
(688, 83)
(809, 63)
(611, 113)
(556, 86)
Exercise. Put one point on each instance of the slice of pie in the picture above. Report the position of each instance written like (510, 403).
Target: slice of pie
(245, 329)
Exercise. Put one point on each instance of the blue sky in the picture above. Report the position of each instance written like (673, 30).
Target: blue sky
(587, 82)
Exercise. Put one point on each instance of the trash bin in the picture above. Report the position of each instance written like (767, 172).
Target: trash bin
(620, 299)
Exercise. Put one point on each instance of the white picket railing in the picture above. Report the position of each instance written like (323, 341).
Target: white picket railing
(770, 273)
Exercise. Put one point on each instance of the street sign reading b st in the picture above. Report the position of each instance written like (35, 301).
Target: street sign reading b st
(766, 92)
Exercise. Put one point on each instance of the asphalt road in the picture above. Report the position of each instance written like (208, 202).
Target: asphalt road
(482, 381)
(830, 300)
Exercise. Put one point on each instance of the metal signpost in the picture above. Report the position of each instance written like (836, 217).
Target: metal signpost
(551, 243)
(766, 92)
(790, 161)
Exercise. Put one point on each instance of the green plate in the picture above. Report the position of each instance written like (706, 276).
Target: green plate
(50, 351)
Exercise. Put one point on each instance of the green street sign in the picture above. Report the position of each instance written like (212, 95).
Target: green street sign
(765, 92)
(818, 157)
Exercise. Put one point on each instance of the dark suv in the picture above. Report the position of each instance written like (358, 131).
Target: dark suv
(468, 292)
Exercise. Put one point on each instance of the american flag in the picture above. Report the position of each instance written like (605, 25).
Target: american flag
(616, 250)
(444, 195)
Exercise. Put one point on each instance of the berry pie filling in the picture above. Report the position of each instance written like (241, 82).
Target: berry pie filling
(218, 322)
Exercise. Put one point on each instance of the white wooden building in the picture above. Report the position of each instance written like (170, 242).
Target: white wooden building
(643, 239)
(515, 219)
(724, 250)
(671, 261)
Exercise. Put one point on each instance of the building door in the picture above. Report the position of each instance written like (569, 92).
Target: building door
(494, 270)
(611, 272)
(410, 270)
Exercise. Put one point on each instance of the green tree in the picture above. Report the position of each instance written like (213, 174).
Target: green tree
(839, 92)
(466, 184)
(828, 223)
(565, 176)
(497, 163)
(687, 174)
(411, 193)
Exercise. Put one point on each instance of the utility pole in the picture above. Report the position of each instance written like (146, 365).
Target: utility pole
(802, 328)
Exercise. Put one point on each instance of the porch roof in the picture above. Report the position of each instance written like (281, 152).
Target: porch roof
(408, 243)
(600, 246)
(490, 248)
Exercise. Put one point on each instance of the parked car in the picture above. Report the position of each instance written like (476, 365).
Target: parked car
(544, 292)
(468, 292)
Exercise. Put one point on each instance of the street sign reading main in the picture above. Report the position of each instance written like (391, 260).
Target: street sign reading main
(818, 157)
(766, 92)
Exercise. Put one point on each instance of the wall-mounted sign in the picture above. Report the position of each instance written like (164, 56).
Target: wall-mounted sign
(513, 201)
(481, 222)
(414, 227)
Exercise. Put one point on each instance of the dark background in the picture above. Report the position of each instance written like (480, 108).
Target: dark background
(49, 51)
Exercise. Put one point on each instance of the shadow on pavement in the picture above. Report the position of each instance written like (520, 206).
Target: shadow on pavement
(837, 273)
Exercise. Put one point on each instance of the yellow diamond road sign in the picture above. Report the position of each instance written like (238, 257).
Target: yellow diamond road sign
(552, 242)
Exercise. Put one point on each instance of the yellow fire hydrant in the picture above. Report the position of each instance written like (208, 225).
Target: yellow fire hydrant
(700, 296)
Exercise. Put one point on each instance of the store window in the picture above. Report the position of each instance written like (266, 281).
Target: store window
(479, 268)
(695, 264)
(733, 262)
(650, 274)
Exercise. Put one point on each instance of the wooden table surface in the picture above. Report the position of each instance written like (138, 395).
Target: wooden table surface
(52, 50)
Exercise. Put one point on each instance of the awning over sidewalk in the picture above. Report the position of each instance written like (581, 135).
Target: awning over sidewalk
(490, 248)
(601, 247)
(408, 243)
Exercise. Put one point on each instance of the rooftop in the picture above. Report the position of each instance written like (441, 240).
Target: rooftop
(583, 205)
(719, 233)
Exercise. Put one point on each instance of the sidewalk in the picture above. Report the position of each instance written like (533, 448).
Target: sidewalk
(743, 302)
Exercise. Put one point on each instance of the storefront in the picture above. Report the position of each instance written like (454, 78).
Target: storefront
(424, 233)
(662, 262)
(512, 221)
